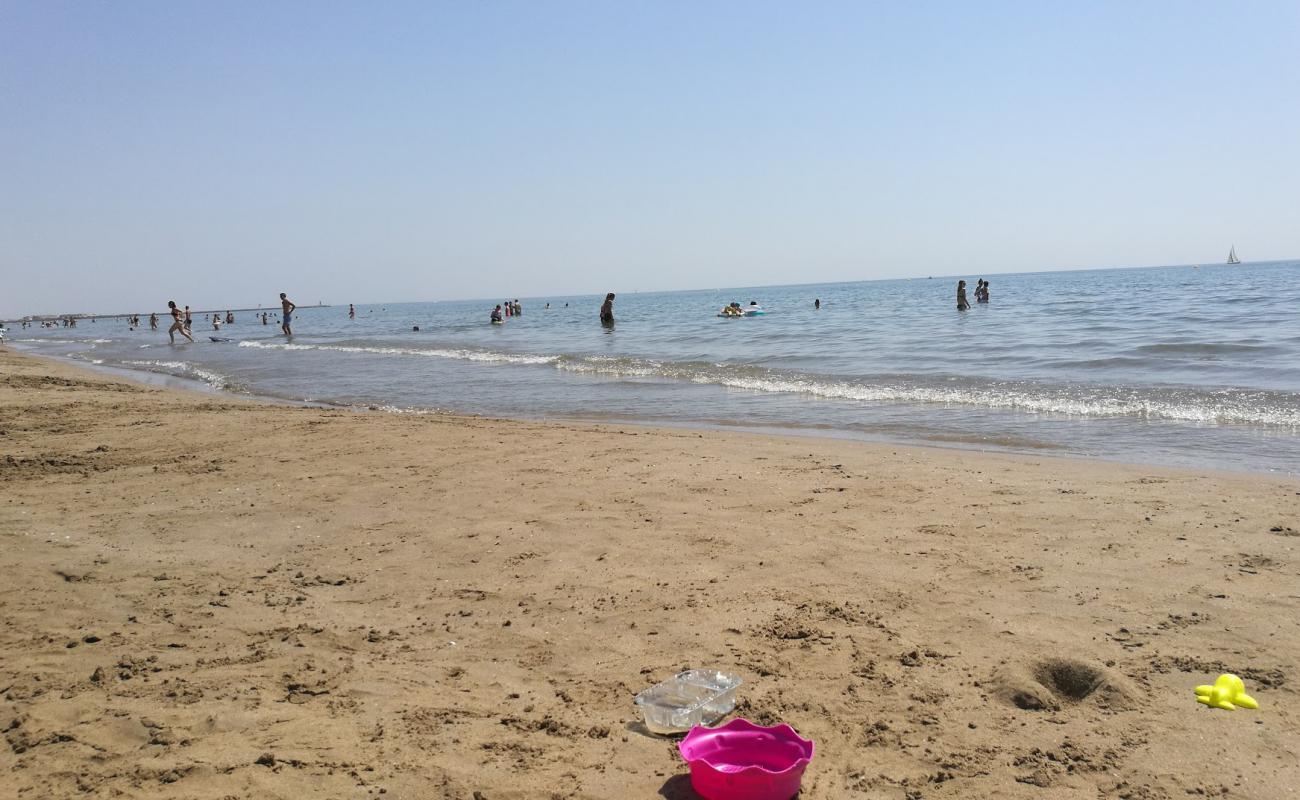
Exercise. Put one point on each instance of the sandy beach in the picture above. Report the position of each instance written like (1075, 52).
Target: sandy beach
(210, 597)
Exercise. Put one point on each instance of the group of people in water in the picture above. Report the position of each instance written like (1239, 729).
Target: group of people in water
(183, 320)
(735, 310)
(67, 322)
(731, 310)
(512, 309)
(981, 294)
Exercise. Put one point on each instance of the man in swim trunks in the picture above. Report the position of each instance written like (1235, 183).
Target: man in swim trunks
(287, 305)
(177, 324)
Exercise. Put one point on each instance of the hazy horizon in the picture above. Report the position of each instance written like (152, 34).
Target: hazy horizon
(598, 295)
(349, 153)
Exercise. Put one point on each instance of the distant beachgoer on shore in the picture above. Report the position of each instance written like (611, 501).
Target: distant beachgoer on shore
(817, 304)
(287, 305)
(352, 311)
(178, 325)
(962, 305)
(496, 314)
(607, 310)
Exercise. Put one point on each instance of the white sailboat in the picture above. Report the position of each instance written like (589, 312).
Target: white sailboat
(1232, 256)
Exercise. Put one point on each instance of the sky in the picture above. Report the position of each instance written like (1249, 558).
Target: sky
(219, 153)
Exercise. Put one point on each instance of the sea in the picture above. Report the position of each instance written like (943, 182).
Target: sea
(1193, 366)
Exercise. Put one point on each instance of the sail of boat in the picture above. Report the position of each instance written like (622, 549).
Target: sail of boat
(1232, 256)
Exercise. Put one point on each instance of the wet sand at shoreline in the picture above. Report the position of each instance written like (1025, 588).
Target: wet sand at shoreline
(206, 597)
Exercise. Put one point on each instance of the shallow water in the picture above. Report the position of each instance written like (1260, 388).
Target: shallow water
(1173, 365)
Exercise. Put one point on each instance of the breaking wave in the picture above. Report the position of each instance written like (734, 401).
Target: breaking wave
(1185, 404)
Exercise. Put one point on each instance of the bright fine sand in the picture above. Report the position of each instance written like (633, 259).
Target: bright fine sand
(206, 597)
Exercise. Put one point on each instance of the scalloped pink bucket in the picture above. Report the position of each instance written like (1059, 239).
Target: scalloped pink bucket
(744, 761)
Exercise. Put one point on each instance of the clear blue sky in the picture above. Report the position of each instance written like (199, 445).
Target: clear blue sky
(222, 152)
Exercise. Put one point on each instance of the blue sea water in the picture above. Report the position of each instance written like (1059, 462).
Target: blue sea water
(1186, 365)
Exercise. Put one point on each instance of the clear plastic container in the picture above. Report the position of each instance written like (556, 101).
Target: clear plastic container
(690, 698)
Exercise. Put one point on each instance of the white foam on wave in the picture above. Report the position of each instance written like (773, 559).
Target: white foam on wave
(1045, 401)
(457, 354)
(182, 369)
(1076, 401)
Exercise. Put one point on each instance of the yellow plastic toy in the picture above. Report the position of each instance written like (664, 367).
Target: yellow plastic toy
(1227, 693)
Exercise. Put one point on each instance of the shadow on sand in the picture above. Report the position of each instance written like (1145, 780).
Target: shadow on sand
(678, 787)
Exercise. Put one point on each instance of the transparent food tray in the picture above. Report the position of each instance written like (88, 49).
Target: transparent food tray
(690, 698)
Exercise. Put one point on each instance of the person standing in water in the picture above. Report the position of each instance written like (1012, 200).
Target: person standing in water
(817, 304)
(962, 305)
(607, 310)
(496, 314)
(982, 293)
(153, 322)
(177, 323)
(287, 305)
(352, 311)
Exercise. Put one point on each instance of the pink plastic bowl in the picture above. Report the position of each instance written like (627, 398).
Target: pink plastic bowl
(744, 761)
